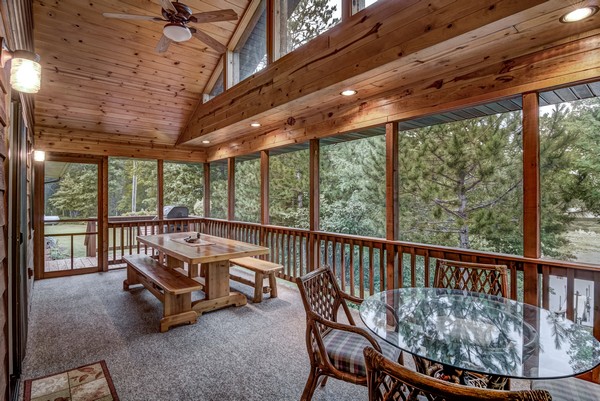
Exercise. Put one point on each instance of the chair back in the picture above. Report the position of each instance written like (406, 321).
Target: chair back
(477, 277)
(388, 380)
(321, 295)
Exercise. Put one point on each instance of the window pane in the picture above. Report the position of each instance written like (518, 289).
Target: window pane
(132, 186)
(183, 186)
(570, 178)
(218, 190)
(217, 88)
(461, 182)
(358, 5)
(250, 56)
(247, 190)
(303, 20)
(352, 185)
(289, 189)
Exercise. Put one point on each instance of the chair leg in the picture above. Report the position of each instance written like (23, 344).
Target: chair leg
(311, 384)
(324, 381)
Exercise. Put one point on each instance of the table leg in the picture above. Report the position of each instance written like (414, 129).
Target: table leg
(216, 288)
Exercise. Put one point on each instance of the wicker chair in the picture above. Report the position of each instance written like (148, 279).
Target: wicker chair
(476, 277)
(334, 349)
(388, 380)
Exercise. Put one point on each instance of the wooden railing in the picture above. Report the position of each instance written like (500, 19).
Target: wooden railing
(364, 265)
(88, 241)
(122, 233)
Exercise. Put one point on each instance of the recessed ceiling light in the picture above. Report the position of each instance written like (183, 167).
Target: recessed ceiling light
(579, 14)
(255, 125)
(205, 142)
(348, 92)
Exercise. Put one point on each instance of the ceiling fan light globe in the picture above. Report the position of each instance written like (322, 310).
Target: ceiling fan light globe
(177, 33)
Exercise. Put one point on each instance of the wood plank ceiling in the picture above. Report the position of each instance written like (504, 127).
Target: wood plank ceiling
(103, 77)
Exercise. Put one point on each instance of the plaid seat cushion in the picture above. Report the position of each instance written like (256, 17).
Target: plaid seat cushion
(345, 350)
(569, 389)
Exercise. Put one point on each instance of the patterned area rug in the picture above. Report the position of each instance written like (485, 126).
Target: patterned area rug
(86, 383)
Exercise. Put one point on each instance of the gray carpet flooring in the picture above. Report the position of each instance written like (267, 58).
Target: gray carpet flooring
(255, 352)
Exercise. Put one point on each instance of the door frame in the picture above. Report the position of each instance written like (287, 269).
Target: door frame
(99, 161)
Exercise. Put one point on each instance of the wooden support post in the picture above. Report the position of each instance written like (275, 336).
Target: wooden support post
(231, 189)
(103, 210)
(346, 9)
(391, 181)
(391, 204)
(264, 195)
(313, 250)
(273, 15)
(206, 189)
(531, 195)
(596, 316)
(228, 70)
(38, 220)
(160, 200)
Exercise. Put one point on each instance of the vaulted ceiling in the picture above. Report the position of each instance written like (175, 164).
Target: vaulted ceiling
(104, 80)
(104, 76)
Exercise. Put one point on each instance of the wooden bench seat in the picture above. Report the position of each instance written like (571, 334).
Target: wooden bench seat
(171, 287)
(261, 268)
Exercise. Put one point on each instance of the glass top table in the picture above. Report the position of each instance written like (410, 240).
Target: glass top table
(481, 333)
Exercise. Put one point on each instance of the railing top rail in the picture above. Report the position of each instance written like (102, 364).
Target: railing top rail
(71, 220)
(470, 252)
(112, 220)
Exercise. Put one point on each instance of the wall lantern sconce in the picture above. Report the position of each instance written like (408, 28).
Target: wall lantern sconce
(39, 155)
(25, 69)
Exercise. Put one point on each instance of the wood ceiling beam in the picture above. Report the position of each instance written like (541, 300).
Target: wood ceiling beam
(86, 144)
(564, 63)
(383, 36)
(541, 33)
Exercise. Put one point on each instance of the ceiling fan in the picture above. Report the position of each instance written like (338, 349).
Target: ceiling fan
(177, 16)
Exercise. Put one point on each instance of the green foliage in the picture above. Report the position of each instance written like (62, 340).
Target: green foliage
(183, 185)
(75, 195)
(289, 189)
(460, 184)
(352, 186)
(132, 187)
(247, 190)
(306, 21)
(218, 190)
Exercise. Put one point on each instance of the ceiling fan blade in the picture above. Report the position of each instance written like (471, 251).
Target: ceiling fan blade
(163, 44)
(203, 37)
(132, 16)
(214, 16)
(167, 5)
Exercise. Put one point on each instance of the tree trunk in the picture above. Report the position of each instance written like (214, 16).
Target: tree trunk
(463, 233)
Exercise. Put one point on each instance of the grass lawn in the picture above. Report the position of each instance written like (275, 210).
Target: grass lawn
(79, 248)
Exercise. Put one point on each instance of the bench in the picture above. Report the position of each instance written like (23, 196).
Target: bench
(171, 287)
(261, 268)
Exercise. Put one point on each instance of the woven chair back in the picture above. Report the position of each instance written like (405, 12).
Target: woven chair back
(477, 277)
(321, 294)
(388, 380)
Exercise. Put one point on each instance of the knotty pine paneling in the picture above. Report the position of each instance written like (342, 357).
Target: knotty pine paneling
(103, 75)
